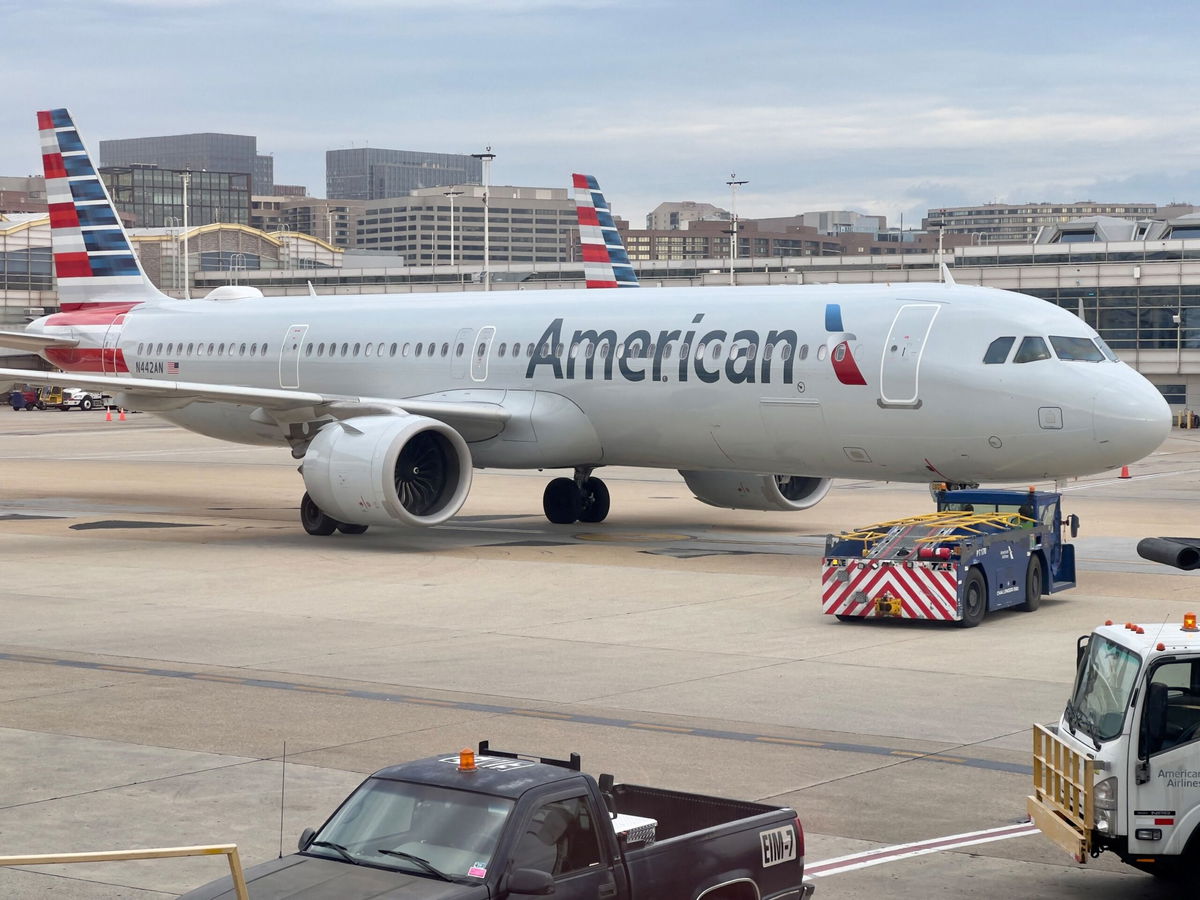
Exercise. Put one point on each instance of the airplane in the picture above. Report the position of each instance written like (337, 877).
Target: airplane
(758, 395)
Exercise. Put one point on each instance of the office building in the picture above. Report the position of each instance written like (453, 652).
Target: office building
(149, 197)
(1004, 223)
(209, 151)
(372, 173)
(525, 225)
(675, 215)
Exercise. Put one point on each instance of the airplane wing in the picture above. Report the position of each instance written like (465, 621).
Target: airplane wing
(474, 420)
(21, 340)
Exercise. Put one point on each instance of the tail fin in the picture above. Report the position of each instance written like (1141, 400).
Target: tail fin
(93, 259)
(605, 262)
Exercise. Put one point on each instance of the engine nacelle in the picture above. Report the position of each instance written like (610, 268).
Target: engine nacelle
(388, 470)
(743, 490)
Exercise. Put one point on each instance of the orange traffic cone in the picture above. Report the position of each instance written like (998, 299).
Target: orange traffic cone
(108, 414)
(1125, 472)
(122, 416)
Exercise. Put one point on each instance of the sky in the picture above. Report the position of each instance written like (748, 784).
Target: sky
(881, 107)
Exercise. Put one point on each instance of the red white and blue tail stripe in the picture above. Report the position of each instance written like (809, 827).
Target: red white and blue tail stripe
(605, 262)
(93, 260)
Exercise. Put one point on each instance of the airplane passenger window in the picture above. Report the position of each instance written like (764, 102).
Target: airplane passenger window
(604, 350)
(803, 351)
(160, 348)
(822, 352)
(700, 351)
(445, 349)
(1032, 349)
(367, 350)
(403, 350)
(716, 350)
(189, 349)
(767, 348)
(650, 351)
(263, 351)
(355, 352)
(210, 349)
(1076, 349)
(345, 349)
(529, 349)
(480, 350)
(997, 351)
(140, 349)
(751, 351)
(619, 353)
(379, 349)
(591, 348)
(785, 350)
(683, 350)
(242, 350)
(458, 351)
(253, 349)
(558, 351)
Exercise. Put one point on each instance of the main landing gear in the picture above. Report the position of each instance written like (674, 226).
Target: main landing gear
(317, 523)
(579, 499)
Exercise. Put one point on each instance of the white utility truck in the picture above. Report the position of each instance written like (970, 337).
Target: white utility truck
(1120, 771)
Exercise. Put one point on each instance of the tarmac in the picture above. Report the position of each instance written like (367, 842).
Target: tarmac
(169, 629)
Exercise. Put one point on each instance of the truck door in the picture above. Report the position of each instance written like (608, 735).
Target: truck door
(561, 837)
(898, 385)
(1164, 787)
(289, 356)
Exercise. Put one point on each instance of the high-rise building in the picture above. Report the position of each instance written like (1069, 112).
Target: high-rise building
(208, 151)
(675, 215)
(372, 173)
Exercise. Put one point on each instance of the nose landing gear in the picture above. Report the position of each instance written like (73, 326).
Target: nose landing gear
(579, 499)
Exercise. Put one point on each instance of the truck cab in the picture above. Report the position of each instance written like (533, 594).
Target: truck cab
(1121, 769)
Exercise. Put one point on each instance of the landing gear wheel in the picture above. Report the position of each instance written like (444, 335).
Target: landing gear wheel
(974, 600)
(562, 501)
(1033, 585)
(349, 528)
(314, 521)
(594, 501)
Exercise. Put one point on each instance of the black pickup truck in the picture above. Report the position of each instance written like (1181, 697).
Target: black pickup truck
(496, 825)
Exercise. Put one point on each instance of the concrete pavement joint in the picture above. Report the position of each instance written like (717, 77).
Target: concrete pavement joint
(576, 718)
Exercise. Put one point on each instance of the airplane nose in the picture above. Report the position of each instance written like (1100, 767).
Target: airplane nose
(1129, 420)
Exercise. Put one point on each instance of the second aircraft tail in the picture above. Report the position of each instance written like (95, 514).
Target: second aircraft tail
(605, 262)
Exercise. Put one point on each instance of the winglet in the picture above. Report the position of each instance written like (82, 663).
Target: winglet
(93, 259)
(947, 278)
(605, 262)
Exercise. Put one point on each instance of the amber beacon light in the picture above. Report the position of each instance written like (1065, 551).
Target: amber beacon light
(1189, 622)
(466, 760)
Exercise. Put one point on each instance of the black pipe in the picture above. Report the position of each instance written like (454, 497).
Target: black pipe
(1182, 553)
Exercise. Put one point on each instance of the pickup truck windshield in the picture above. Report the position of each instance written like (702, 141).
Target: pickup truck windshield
(1102, 689)
(397, 825)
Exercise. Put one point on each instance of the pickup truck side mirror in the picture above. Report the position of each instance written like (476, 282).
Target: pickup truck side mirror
(306, 838)
(530, 881)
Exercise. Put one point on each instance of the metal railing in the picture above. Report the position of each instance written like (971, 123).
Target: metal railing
(228, 850)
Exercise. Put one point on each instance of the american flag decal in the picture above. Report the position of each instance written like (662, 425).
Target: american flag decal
(172, 368)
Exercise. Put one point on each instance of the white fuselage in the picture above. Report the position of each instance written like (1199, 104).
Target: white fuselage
(596, 378)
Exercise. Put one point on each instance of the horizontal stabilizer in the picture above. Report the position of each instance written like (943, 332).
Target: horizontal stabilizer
(35, 343)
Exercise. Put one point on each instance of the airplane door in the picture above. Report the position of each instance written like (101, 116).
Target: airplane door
(898, 385)
(109, 351)
(460, 353)
(289, 357)
(483, 349)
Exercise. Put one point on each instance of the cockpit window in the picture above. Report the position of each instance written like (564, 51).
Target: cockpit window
(997, 351)
(1078, 349)
(1032, 349)
(1106, 350)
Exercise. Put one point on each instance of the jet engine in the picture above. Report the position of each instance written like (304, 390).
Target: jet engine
(388, 470)
(743, 490)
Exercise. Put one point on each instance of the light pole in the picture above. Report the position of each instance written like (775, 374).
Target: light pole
(486, 158)
(173, 223)
(187, 179)
(734, 184)
(451, 195)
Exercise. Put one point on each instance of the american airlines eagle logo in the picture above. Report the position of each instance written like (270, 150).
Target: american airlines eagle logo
(837, 345)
